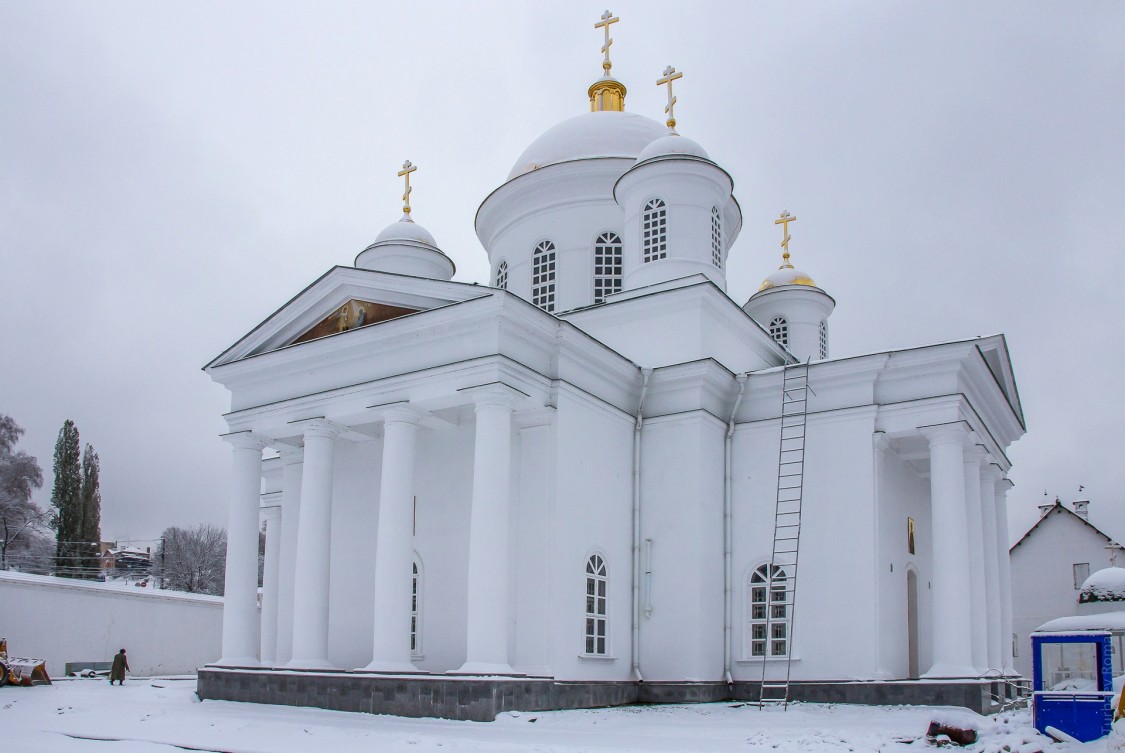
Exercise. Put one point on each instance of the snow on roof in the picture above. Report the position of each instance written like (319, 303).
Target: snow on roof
(594, 134)
(1084, 622)
(1056, 510)
(1104, 585)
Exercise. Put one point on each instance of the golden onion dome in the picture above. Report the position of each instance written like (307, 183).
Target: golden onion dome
(786, 274)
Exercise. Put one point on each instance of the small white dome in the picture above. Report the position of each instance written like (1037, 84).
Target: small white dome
(406, 229)
(672, 145)
(591, 135)
(787, 275)
(1104, 585)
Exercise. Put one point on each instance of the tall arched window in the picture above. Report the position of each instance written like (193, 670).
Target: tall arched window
(502, 275)
(543, 276)
(415, 602)
(607, 266)
(596, 587)
(654, 231)
(716, 238)
(779, 330)
(823, 338)
(770, 614)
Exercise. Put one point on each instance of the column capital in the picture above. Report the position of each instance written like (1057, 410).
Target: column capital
(977, 454)
(991, 472)
(951, 433)
(247, 440)
(290, 453)
(399, 413)
(494, 395)
(319, 427)
(273, 512)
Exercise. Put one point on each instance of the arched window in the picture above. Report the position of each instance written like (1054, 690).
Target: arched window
(770, 614)
(415, 602)
(779, 330)
(607, 266)
(543, 276)
(716, 238)
(502, 275)
(823, 338)
(654, 231)
(596, 585)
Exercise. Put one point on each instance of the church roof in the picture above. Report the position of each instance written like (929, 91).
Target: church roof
(1060, 509)
(587, 136)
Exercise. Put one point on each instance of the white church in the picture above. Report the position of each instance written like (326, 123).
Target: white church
(599, 479)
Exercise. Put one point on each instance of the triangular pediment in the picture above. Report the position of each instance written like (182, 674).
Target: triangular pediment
(994, 350)
(346, 299)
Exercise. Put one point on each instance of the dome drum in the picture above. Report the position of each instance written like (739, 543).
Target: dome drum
(406, 248)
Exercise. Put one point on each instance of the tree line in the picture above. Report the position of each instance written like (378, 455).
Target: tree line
(186, 559)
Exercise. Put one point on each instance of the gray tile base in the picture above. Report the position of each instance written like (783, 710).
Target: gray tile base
(481, 699)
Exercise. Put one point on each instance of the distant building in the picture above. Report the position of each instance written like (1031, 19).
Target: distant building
(1050, 564)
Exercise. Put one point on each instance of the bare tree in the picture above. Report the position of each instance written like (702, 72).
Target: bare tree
(20, 518)
(193, 559)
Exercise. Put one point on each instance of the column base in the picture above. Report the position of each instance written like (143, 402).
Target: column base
(311, 664)
(390, 667)
(245, 661)
(486, 668)
(945, 671)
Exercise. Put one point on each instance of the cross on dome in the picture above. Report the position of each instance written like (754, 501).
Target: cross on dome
(670, 75)
(784, 221)
(407, 168)
(607, 19)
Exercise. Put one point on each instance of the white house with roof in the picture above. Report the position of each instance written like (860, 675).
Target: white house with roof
(1050, 564)
(589, 480)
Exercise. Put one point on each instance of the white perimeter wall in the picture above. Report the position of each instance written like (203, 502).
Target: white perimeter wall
(62, 621)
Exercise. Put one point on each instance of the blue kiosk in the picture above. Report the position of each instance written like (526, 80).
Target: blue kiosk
(1073, 675)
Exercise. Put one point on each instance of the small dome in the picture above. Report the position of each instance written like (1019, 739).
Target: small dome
(591, 135)
(406, 229)
(1104, 585)
(786, 275)
(671, 145)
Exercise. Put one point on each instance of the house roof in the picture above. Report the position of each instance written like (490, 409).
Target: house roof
(1059, 509)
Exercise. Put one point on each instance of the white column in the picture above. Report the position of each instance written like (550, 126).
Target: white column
(292, 459)
(1005, 576)
(989, 476)
(394, 550)
(952, 631)
(272, 517)
(240, 600)
(487, 628)
(314, 539)
(978, 605)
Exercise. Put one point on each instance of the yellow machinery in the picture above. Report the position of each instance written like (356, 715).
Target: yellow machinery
(19, 671)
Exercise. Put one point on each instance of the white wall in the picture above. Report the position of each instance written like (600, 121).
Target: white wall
(1043, 575)
(62, 620)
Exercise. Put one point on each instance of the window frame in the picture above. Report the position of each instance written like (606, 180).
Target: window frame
(779, 329)
(501, 278)
(596, 579)
(544, 269)
(608, 253)
(416, 584)
(654, 230)
(716, 237)
(823, 339)
(779, 627)
(1075, 569)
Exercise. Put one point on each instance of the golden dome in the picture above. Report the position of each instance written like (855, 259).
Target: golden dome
(786, 275)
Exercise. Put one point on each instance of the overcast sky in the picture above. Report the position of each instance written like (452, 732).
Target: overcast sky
(170, 174)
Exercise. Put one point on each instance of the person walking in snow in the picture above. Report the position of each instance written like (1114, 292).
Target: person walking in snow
(120, 665)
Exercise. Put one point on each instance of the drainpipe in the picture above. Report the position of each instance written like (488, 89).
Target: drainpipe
(645, 374)
(727, 531)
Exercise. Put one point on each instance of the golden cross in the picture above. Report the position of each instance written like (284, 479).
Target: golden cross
(670, 75)
(607, 19)
(407, 168)
(784, 221)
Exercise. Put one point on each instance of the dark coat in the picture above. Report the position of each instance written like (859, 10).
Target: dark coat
(117, 671)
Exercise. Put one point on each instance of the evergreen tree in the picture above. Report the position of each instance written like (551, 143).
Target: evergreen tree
(91, 513)
(66, 499)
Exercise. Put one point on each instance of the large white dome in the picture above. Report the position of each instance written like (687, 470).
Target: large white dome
(594, 134)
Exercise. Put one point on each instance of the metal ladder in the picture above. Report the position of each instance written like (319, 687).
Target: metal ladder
(781, 583)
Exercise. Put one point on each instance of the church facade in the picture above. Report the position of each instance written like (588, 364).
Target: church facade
(577, 475)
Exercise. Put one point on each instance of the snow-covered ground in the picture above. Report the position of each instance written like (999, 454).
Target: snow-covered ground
(163, 716)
